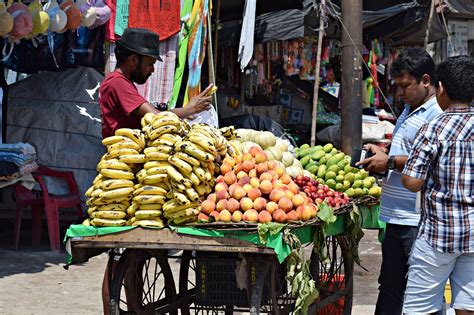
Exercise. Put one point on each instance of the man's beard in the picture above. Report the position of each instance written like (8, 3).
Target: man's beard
(137, 75)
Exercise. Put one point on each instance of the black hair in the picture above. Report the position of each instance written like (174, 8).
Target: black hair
(122, 53)
(457, 76)
(415, 62)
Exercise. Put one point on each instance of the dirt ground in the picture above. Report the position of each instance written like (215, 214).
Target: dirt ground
(34, 281)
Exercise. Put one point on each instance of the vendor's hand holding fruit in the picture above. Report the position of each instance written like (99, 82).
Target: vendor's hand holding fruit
(199, 103)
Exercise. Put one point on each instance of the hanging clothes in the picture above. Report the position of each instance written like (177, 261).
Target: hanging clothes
(159, 86)
(183, 38)
(110, 24)
(247, 34)
(121, 17)
(159, 16)
(196, 48)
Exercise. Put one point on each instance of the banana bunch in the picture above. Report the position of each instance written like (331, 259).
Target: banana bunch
(235, 148)
(112, 190)
(228, 132)
(177, 213)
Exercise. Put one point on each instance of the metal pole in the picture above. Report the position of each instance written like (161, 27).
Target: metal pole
(314, 115)
(216, 31)
(4, 105)
(351, 118)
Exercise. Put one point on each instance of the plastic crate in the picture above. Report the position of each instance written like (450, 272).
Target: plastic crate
(216, 283)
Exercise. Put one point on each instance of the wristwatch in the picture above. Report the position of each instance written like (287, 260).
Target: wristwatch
(391, 162)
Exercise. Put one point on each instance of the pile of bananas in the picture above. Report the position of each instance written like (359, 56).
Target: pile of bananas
(112, 190)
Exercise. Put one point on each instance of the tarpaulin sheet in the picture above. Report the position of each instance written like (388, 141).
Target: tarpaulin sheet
(58, 113)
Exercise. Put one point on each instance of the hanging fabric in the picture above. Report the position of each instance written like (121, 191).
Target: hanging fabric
(159, 86)
(196, 48)
(110, 24)
(247, 34)
(183, 38)
(159, 16)
(121, 17)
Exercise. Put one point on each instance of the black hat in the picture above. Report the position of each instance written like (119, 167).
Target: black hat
(141, 41)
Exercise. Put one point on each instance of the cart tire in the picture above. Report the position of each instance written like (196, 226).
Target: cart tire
(187, 287)
(335, 295)
(143, 284)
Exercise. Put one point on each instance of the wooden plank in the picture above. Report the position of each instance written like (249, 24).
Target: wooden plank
(167, 239)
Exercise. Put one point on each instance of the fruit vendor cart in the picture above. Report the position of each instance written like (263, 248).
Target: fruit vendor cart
(222, 268)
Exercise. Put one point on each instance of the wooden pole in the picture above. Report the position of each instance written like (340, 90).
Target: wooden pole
(428, 25)
(216, 31)
(210, 58)
(314, 115)
(351, 117)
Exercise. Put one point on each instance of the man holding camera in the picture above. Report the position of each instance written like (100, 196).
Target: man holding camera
(414, 74)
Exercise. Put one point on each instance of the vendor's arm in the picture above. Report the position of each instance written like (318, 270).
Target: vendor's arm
(196, 105)
(378, 162)
(419, 162)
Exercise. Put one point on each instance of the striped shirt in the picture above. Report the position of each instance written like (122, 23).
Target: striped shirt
(443, 156)
(398, 204)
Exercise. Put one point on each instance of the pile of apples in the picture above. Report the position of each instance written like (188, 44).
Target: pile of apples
(320, 193)
(253, 189)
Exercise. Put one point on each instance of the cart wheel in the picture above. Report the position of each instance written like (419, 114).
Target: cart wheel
(143, 284)
(334, 277)
(282, 300)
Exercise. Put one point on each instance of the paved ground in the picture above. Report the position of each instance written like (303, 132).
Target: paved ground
(35, 281)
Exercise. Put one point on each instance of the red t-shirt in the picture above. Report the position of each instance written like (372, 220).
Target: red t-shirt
(118, 98)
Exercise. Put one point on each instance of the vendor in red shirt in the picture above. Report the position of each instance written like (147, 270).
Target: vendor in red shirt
(120, 103)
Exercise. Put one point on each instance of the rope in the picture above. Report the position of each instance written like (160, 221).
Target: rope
(361, 57)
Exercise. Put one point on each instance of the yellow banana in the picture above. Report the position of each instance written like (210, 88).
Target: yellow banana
(148, 118)
(147, 199)
(116, 174)
(160, 141)
(87, 222)
(89, 191)
(133, 158)
(131, 220)
(109, 214)
(114, 164)
(150, 190)
(96, 193)
(182, 220)
(181, 165)
(159, 148)
(132, 209)
(156, 133)
(192, 150)
(150, 206)
(157, 170)
(201, 189)
(147, 214)
(153, 179)
(212, 90)
(200, 173)
(175, 175)
(182, 213)
(117, 153)
(187, 183)
(130, 144)
(141, 175)
(113, 207)
(115, 183)
(173, 138)
(102, 201)
(192, 194)
(114, 139)
(181, 198)
(152, 164)
(116, 193)
(149, 223)
(163, 115)
(133, 134)
(91, 209)
(173, 205)
(157, 156)
(193, 178)
(169, 121)
(98, 178)
(108, 222)
(187, 158)
(204, 143)
(177, 186)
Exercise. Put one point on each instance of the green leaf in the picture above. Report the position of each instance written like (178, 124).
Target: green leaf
(326, 213)
(271, 228)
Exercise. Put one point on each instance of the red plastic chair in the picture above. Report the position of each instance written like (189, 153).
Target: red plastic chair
(51, 204)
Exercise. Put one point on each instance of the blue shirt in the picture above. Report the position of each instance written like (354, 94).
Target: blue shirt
(398, 204)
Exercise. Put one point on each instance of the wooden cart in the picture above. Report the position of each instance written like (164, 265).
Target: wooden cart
(142, 280)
